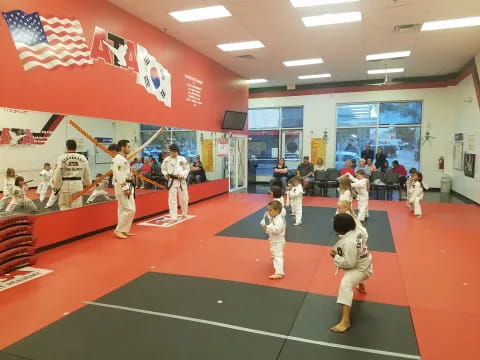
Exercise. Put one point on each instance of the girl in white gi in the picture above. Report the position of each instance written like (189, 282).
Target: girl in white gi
(360, 185)
(344, 189)
(8, 184)
(418, 188)
(99, 190)
(46, 183)
(296, 195)
(124, 190)
(175, 169)
(350, 254)
(53, 198)
(277, 195)
(409, 183)
(19, 196)
(287, 194)
(276, 235)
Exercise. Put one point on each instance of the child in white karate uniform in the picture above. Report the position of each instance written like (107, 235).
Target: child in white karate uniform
(99, 190)
(276, 235)
(361, 186)
(418, 188)
(8, 184)
(276, 192)
(46, 183)
(19, 196)
(350, 254)
(296, 195)
(409, 183)
(345, 189)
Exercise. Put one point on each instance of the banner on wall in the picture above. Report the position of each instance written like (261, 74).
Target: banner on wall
(153, 76)
(47, 42)
(16, 136)
(317, 150)
(207, 155)
(222, 147)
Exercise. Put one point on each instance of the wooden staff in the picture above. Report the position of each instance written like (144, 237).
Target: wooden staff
(144, 178)
(132, 155)
(89, 187)
(90, 137)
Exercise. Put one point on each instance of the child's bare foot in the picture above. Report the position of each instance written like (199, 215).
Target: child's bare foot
(120, 235)
(173, 221)
(419, 216)
(275, 277)
(129, 234)
(361, 288)
(341, 327)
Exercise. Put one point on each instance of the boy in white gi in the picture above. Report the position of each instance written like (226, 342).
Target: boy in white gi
(124, 190)
(46, 182)
(360, 185)
(350, 254)
(19, 196)
(175, 168)
(99, 190)
(296, 195)
(276, 192)
(418, 188)
(409, 184)
(276, 235)
(8, 184)
(70, 176)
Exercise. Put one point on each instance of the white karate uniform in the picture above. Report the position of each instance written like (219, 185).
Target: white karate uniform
(19, 197)
(355, 260)
(416, 196)
(276, 235)
(409, 185)
(122, 181)
(283, 212)
(296, 195)
(45, 184)
(70, 176)
(99, 190)
(361, 188)
(346, 196)
(176, 166)
(8, 184)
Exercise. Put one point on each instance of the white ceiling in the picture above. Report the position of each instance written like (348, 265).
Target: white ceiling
(343, 47)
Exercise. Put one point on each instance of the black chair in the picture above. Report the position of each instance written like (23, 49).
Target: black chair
(332, 176)
(320, 182)
(392, 182)
(377, 175)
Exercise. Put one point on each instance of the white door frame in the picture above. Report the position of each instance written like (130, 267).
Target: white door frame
(234, 159)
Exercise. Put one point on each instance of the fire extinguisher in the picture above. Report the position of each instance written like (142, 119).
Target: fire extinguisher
(441, 163)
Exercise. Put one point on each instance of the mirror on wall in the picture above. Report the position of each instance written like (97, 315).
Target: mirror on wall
(31, 139)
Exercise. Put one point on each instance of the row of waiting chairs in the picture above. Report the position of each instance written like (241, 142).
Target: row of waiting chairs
(328, 179)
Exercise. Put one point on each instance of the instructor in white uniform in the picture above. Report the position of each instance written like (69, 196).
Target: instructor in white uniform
(124, 190)
(71, 175)
(175, 168)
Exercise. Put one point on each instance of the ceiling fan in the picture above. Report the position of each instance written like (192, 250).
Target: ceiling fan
(387, 81)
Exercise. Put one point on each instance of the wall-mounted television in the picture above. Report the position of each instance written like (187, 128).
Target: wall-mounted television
(234, 120)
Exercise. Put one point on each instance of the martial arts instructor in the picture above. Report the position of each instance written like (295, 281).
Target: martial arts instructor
(124, 190)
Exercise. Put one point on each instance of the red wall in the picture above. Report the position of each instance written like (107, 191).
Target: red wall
(105, 91)
(105, 214)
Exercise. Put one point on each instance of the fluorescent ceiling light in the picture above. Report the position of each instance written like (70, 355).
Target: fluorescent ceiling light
(305, 3)
(241, 46)
(315, 76)
(391, 55)
(256, 81)
(330, 19)
(303, 62)
(211, 12)
(451, 24)
(383, 71)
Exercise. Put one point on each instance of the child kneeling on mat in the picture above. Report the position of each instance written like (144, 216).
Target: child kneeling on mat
(276, 235)
(351, 255)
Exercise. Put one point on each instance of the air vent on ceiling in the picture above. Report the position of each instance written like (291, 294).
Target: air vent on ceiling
(246, 57)
(408, 28)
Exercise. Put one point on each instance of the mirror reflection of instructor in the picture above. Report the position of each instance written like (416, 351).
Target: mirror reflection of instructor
(70, 176)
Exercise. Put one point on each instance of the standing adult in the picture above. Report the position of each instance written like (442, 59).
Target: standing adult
(70, 176)
(124, 190)
(175, 168)
(280, 173)
(380, 159)
(367, 153)
(305, 171)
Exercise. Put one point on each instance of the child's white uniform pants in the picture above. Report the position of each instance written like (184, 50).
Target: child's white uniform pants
(42, 189)
(362, 208)
(276, 249)
(172, 199)
(4, 200)
(26, 203)
(297, 210)
(351, 278)
(417, 208)
(52, 199)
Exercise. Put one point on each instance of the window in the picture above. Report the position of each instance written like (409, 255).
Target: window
(292, 117)
(263, 146)
(259, 119)
(393, 126)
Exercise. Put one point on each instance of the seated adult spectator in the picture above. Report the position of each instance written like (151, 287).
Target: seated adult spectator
(280, 174)
(402, 173)
(145, 170)
(319, 165)
(197, 172)
(371, 166)
(354, 164)
(380, 159)
(305, 171)
(367, 153)
(363, 166)
(347, 169)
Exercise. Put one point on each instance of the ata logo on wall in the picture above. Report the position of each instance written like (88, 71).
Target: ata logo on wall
(16, 136)
(51, 42)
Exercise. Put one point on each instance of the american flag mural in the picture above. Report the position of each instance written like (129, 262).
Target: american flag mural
(47, 42)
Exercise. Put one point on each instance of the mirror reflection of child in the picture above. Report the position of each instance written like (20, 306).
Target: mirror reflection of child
(19, 196)
(99, 190)
(8, 184)
(45, 184)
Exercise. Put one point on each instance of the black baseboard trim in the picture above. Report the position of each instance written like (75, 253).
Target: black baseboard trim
(98, 231)
(464, 198)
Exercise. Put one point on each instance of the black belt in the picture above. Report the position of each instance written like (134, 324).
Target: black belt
(71, 178)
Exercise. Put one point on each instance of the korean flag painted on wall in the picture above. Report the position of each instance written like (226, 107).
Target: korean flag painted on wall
(153, 76)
